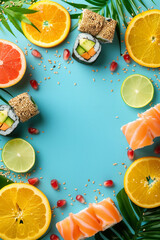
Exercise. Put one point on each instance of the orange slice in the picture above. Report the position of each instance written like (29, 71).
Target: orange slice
(142, 182)
(53, 22)
(25, 213)
(12, 64)
(143, 38)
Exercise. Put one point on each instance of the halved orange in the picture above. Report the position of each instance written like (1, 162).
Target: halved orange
(142, 182)
(12, 64)
(25, 212)
(53, 22)
(143, 38)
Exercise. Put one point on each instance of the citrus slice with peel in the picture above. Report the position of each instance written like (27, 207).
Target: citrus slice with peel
(142, 182)
(12, 64)
(25, 212)
(18, 155)
(137, 91)
(53, 22)
(142, 38)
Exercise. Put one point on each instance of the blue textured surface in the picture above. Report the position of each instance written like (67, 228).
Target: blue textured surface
(82, 137)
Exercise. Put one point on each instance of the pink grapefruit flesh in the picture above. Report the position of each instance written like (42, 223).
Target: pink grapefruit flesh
(12, 64)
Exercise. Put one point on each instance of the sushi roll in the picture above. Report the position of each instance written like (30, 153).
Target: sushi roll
(86, 49)
(24, 107)
(106, 35)
(98, 26)
(91, 22)
(8, 120)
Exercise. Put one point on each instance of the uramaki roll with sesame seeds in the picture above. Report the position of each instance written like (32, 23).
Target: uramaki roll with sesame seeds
(98, 26)
(91, 22)
(24, 107)
(106, 35)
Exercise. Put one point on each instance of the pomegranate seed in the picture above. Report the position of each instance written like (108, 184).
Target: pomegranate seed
(130, 154)
(33, 181)
(80, 198)
(113, 66)
(33, 130)
(108, 183)
(66, 54)
(61, 203)
(157, 150)
(54, 237)
(36, 54)
(34, 84)
(127, 58)
(54, 184)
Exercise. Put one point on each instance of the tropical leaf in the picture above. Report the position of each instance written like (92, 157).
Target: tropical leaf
(14, 11)
(4, 90)
(114, 9)
(4, 181)
(137, 224)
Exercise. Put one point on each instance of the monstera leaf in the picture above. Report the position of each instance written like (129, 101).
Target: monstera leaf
(137, 224)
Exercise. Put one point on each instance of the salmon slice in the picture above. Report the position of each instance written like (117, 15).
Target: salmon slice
(87, 222)
(152, 112)
(68, 229)
(138, 134)
(154, 126)
(107, 213)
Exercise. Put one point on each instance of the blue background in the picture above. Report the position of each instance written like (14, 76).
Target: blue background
(82, 137)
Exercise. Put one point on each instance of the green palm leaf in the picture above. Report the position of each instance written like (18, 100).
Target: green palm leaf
(114, 9)
(14, 12)
(137, 224)
(4, 181)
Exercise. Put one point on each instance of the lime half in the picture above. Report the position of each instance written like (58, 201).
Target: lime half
(18, 155)
(137, 91)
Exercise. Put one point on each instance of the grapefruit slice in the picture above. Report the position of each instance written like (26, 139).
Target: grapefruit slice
(12, 64)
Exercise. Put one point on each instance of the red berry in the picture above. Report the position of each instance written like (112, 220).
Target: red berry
(54, 184)
(66, 54)
(113, 66)
(157, 150)
(108, 183)
(33, 130)
(130, 154)
(36, 54)
(127, 58)
(34, 84)
(54, 237)
(33, 181)
(80, 198)
(61, 203)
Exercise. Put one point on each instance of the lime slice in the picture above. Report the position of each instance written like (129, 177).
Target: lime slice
(137, 91)
(18, 155)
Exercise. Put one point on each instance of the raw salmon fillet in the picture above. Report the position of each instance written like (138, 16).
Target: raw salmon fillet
(97, 217)
(107, 213)
(138, 134)
(142, 132)
(87, 222)
(69, 230)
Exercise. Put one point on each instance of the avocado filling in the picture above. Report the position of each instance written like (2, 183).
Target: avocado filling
(5, 121)
(86, 48)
